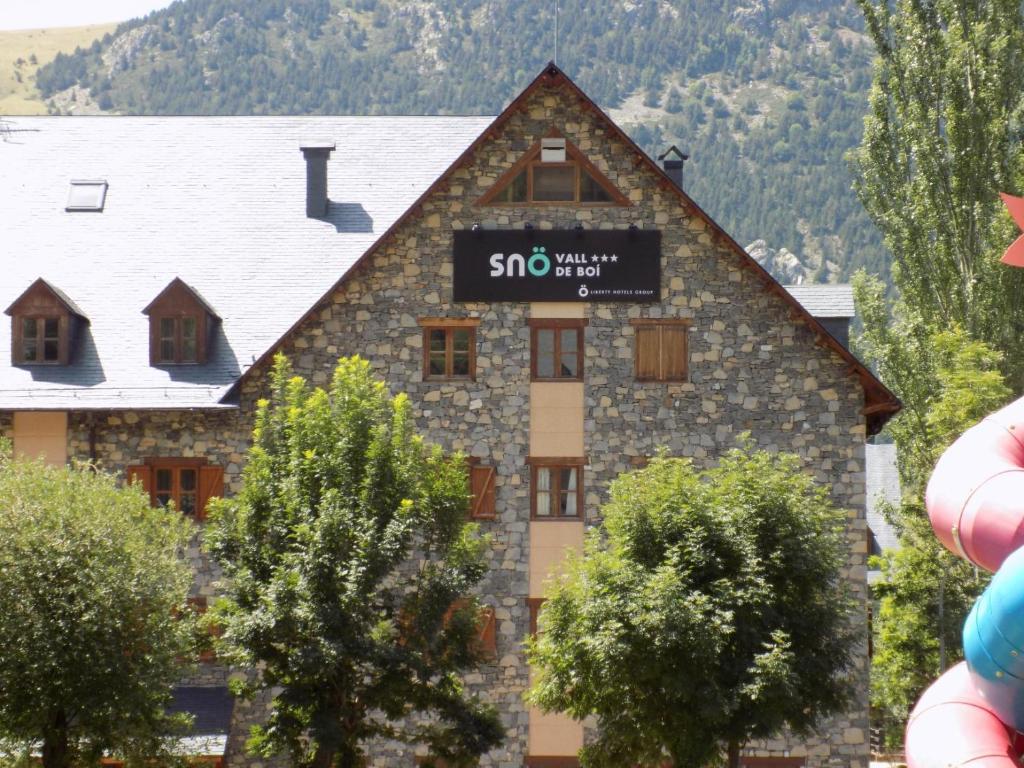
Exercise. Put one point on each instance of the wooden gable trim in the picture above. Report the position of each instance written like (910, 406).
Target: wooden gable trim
(571, 151)
(178, 292)
(44, 295)
(875, 392)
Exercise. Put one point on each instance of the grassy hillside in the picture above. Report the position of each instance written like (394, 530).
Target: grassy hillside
(766, 97)
(23, 51)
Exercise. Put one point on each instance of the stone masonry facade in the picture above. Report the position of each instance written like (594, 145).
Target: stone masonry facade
(754, 367)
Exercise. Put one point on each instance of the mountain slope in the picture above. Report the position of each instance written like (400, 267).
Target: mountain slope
(765, 95)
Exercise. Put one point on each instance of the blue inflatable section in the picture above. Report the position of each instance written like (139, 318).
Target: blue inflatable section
(994, 642)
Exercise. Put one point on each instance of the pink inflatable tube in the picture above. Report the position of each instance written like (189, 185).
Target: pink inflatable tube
(952, 726)
(975, 500)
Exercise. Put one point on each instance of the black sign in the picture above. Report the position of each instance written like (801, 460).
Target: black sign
(557, 265)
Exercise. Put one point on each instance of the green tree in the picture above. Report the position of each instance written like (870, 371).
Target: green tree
(947, 382)
(92, 595)
(708, 610)
(350, 561)
(940, 141)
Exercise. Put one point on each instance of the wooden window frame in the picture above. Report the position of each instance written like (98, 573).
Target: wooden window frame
(756, 761)
(449, 325)
(18, 333)
(552, 761)
(41, 302)
(555, 491)
(209, 480)
(178, 319)
(533, 605)
(661, 323)
(557, 325)
(199, 605)
(179, 302)
(532, 158)
(483, 498)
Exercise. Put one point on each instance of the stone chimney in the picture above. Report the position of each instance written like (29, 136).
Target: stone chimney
(317, 153)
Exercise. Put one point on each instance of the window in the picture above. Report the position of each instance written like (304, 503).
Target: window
(533, 604)
(487, 624)
(449, 348)
(40, 340)
(482, 480)
(86, 196)
(661, 350)
(556, 350)
(178, 340)
(557, 488)
(179, 321)
(44, 323)
(553, 172)
(199, 606)
(187, 483)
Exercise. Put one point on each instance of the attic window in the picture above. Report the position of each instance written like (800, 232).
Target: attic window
(86, 196)
(180, 322)
(44, 325)
(553, 172)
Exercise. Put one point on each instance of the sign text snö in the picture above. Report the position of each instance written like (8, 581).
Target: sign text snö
(557, 265)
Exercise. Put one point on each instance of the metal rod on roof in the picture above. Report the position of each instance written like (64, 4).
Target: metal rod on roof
(556, 32)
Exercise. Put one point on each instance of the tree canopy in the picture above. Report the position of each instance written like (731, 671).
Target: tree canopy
(707, 610)
(351, 562)
(941, 140)
(93, 621)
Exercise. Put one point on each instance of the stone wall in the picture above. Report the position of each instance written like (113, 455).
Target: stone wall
(753, 368)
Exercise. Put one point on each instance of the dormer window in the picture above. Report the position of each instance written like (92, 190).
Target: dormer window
(180, 322)
(553, 172)
(44, 325)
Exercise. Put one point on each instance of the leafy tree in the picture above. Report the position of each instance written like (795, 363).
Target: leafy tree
(92, 594)
(941, 140)
(350, 561)
(708, 610)
(948, 382)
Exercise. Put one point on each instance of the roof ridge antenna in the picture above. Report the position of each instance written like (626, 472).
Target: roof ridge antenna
(556, 32)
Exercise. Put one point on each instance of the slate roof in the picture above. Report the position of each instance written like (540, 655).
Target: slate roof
(210, 708)
(216, 201)
(882, 481)
(824, 300)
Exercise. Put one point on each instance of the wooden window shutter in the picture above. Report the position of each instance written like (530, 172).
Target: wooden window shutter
(647, 353)
(482, 481)
(211, 484)
(140, 473)
(673, 353)
(488, 630)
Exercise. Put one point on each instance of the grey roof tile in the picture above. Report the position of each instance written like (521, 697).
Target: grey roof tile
(824, 300)
(883, 484)
(216, 201)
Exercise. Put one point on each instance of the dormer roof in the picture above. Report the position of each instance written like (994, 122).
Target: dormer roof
(57, 294)
(176, 289)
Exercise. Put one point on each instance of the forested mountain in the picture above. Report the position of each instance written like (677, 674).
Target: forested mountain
(765, 95)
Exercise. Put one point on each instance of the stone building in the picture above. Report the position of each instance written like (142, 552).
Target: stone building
(552, 302)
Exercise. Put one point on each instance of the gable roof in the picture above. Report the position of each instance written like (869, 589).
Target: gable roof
(880, 404)
(178, 284)
(56, 292)
(825, 300)
(219, 202)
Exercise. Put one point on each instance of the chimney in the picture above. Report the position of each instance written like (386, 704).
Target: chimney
(673, 166)
(317, 153)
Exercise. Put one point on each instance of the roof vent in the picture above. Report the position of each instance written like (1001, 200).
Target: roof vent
(552, 150)
(86, 195)
(674, 165)
(317, 153)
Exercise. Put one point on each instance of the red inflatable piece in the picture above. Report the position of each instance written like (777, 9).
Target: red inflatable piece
(952, 726)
